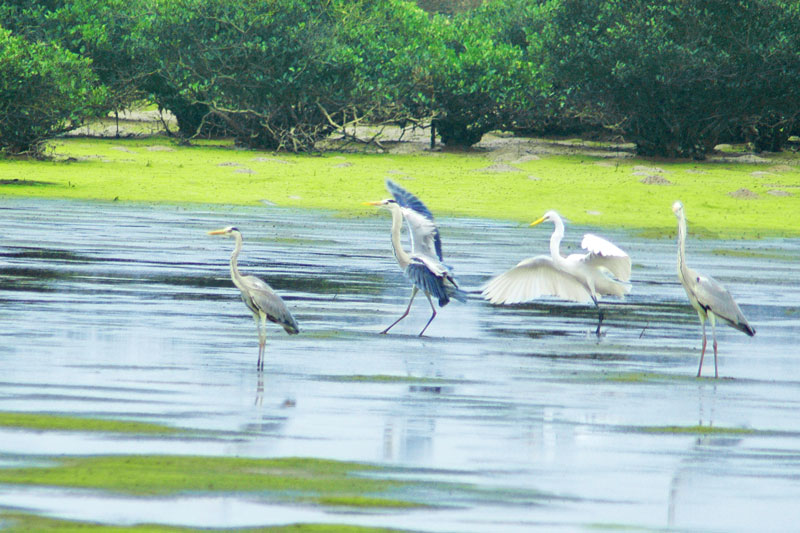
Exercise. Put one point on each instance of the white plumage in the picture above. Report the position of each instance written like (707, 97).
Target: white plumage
(578, 277)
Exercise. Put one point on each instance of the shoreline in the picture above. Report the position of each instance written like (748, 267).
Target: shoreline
(602, 185)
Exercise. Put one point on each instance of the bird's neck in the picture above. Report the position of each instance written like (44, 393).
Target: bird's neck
(403, 259)
(682, 247)
(555, 241)
(235, 275)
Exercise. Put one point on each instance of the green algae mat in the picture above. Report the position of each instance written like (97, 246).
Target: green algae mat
(14, 521)
(750, 196)
(285, 479)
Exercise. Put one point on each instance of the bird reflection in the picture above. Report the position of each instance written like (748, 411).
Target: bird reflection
(411, 438)
(706, 450)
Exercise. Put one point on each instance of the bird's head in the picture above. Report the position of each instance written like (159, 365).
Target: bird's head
(230, 231)
(389, 204)
(677, 207)
(550, 216)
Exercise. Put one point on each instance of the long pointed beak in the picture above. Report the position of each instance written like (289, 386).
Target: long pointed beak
(217, 232)
(536, 222)
(371, 203)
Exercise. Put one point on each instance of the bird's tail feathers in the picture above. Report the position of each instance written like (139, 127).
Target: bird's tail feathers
(291, 327)
(455, 292)
(744, 327)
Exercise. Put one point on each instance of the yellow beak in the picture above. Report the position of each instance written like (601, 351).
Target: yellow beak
(217, 232)
(535, 222)
(371, 203)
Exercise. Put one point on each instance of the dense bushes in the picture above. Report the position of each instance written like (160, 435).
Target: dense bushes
(674, 77)
(44, 90)
(286, 73)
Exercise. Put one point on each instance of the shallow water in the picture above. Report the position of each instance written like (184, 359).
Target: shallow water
(127, 311)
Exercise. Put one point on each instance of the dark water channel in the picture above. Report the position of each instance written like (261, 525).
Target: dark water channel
(127, 311)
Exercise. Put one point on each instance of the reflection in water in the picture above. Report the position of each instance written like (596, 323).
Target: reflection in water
(409, 436)
(260, 388)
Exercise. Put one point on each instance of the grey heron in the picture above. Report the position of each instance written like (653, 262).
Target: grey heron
(708, 297)
(423, 266)
(258, 297)
(577, 277)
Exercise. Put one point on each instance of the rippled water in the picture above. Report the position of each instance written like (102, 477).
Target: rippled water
(127, 311)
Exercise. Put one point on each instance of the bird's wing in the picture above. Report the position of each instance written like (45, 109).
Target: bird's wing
(422, 234)
(264, 299)
(421, 275)
(715, 298)
(607, 255)
(532, 278)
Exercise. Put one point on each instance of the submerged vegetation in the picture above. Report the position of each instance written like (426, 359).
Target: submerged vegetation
(38, 421)
(285, 479)
(16, 521)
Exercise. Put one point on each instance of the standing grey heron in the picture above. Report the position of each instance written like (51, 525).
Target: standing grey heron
(708, 297)
(258, 297)
(577, 277)
(423, 266)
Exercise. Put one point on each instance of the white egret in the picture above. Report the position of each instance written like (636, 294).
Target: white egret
(577, 277)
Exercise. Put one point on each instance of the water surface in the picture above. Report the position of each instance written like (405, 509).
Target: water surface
(127, 311)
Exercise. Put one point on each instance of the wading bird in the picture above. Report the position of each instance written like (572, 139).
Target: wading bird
(708, 297)
(577, 277)
(258, 297)
(423, 266)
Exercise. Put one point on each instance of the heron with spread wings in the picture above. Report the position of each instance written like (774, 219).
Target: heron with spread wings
(423, 266)
(259, 297)
(708, 297)
(577, 277)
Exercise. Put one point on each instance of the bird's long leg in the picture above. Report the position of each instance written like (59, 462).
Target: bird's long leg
(714, 338)
(703, 350)
(432, 316)
(600, 311)
(262, 340)
(413, 294)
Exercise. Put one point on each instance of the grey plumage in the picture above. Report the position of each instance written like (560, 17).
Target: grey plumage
(423, 266)
(258, 296)
(708, 297)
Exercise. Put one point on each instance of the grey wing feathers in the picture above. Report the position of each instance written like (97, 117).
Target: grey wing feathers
(408, 200)
(713, 297)
(423, 233)
(443, 286)
(265, 300)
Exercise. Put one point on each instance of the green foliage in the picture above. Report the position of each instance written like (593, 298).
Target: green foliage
(44, 90)
(105, 32)
(483, 77)
(29, 19)
(676, 77)
(281, 74)
(394, 43)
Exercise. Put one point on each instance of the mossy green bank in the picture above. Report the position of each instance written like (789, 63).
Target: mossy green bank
(52, 422)
(16, 521)
(306, 480)
(723, 198)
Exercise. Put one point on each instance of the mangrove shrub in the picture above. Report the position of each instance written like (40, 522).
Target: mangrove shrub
(44, 91)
